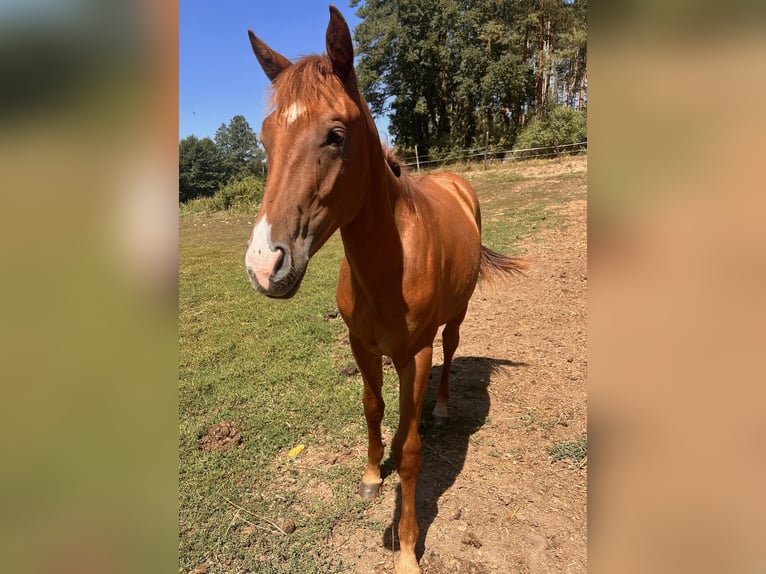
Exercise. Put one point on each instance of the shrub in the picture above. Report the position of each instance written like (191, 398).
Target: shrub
(560, 125)
(241, 194)
(237, 195)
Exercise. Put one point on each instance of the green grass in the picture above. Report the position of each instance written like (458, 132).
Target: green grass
(576, 450)
(273, 369)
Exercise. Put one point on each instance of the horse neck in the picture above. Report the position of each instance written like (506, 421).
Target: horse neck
(371, 240)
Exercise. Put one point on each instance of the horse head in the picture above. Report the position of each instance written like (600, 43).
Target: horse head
(315, 139)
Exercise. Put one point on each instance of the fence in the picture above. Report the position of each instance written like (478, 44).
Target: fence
(491, 155)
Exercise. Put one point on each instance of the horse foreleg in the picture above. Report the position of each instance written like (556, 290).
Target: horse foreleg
(413, 379)
(371, 367)
(450, 340)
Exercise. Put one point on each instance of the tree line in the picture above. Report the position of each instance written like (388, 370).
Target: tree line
(233, 163)
(447, 72)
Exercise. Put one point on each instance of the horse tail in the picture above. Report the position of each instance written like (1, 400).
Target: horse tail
(495, 265)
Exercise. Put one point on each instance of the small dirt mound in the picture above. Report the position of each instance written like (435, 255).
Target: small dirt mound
(221, 436)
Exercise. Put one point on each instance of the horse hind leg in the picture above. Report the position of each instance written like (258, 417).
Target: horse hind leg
(450, 340)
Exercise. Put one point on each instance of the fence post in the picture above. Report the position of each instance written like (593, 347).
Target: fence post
(486, 148)
(417, 159)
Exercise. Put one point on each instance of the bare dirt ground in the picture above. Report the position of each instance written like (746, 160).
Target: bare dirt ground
(490, 499)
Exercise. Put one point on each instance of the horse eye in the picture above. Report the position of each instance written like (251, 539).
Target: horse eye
(336, 136)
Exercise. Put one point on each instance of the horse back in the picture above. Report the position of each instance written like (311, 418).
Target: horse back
(446, 249)
(449, 191)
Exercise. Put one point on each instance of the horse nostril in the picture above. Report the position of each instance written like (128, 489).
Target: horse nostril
(280, 260)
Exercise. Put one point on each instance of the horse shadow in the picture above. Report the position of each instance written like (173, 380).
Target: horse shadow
(444, 448)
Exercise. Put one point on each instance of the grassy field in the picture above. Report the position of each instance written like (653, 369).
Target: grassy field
(275, 371)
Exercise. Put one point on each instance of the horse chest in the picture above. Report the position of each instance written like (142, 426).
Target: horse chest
(386, 326)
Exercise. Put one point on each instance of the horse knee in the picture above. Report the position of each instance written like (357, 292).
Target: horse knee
(373, 415)
(407, 457)
(374, 408)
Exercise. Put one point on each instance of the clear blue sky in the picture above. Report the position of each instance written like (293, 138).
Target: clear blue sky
(219, 76)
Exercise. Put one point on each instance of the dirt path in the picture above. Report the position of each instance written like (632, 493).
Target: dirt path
(489, 497)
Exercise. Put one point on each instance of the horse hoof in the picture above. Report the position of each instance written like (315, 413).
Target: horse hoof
(440, 421)
(368, 491)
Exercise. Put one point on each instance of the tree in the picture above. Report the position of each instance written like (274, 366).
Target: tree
(572, 47)
(239, 146)
(202, 168)
(405, 68)
(447, 71)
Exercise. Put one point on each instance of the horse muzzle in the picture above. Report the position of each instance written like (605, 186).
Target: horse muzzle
(272, 272)
(272, 268)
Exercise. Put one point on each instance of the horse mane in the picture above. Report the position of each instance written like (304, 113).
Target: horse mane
(393, 163)
(309, 81)
(405, 180)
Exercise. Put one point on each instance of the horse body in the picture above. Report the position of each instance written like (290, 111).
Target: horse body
(386, 292)
(413, 250)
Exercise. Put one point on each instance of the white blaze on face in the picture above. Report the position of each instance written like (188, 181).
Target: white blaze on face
(292, 113)
(260, 259)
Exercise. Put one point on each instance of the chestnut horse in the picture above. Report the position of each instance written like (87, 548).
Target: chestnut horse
(413, 249)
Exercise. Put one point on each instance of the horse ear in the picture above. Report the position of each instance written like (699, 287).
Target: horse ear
(340, 49)
(273, 63)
